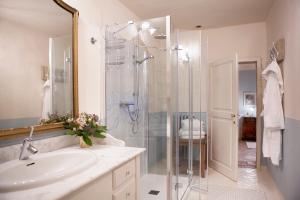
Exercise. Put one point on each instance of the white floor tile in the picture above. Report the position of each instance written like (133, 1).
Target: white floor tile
(251, 185)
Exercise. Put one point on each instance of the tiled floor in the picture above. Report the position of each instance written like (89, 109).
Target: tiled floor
(251, 185)
(250, 182)
(158, 183)
(247, 156)
(153, 182)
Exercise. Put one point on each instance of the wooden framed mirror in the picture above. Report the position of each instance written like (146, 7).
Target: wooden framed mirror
(38, 65)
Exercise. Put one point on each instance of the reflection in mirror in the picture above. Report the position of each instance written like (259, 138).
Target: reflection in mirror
(35, 62)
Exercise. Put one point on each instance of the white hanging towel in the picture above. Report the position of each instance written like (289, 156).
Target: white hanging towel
(46, 100)
(273, 112)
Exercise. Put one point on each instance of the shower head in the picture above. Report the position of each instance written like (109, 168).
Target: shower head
(141, 61)
(128, 24)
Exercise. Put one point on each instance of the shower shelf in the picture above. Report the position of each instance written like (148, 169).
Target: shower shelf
(115, 63)
(113, 47)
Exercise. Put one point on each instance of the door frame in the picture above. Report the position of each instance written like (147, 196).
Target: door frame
(259, 95)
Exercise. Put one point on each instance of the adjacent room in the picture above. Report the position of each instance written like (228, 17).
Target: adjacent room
(247, 115)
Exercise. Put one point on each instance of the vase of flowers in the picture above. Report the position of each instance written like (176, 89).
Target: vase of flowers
(82, 143)
(85, 126)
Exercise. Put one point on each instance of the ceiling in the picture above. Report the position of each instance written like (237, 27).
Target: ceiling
(41, 15)
(186, 14)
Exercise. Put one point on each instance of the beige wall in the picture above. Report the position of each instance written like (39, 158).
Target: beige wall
(284, 22)
(191, 42)
(93, 16)
(25, 50)
(248, 41)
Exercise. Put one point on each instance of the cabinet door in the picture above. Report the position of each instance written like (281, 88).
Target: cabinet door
(100, 189)
(127, 192)
(123, 173)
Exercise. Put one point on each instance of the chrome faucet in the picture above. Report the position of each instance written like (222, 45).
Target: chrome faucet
(27, 147)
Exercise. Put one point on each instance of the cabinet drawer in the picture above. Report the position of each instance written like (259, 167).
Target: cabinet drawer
(123, 173)
(127, 192)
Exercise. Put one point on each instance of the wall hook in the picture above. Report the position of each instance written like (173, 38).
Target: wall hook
(93, 40)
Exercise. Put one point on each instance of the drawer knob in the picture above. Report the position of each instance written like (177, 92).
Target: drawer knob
(128, 194)
(127, 173)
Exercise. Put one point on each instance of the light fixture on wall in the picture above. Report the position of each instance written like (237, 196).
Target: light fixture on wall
(183, 53)
(145, 25)
(152, 30)
(130, 22)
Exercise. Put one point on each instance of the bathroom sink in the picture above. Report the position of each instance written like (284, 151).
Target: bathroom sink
(106, 151)
(43, 169)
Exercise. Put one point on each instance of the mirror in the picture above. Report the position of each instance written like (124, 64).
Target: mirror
(38, 64)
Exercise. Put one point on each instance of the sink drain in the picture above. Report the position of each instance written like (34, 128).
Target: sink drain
(29, 164)
(153, 192)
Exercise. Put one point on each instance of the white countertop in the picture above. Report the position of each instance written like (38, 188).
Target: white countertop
(109, 158)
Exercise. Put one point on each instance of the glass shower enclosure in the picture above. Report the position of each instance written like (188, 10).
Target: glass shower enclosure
(145, 75)
(136, 95)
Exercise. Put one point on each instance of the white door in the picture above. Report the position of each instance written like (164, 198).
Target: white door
(222, 117)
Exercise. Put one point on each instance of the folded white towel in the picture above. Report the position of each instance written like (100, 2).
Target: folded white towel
(183, 132)
(197, 124)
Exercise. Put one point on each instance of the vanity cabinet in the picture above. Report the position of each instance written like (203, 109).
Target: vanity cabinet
(122, 183)
(127, 191)
(99, 189)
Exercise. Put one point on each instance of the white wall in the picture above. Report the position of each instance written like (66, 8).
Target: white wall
(93, 16)
(283, 22)
(23, 51)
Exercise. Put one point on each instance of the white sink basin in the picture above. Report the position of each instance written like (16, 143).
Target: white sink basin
(106, 151)
(44, 168)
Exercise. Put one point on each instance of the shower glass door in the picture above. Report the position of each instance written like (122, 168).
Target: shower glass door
(189, 134)
(136, 96)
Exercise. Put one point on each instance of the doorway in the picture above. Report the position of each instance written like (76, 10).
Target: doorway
(247, 114)
(225, 118)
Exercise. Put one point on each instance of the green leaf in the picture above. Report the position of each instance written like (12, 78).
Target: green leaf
(70, 132)
(99, 134)
(87, 140)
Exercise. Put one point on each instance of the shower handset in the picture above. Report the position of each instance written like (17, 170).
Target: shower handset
(126, 104)
(132, 110)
